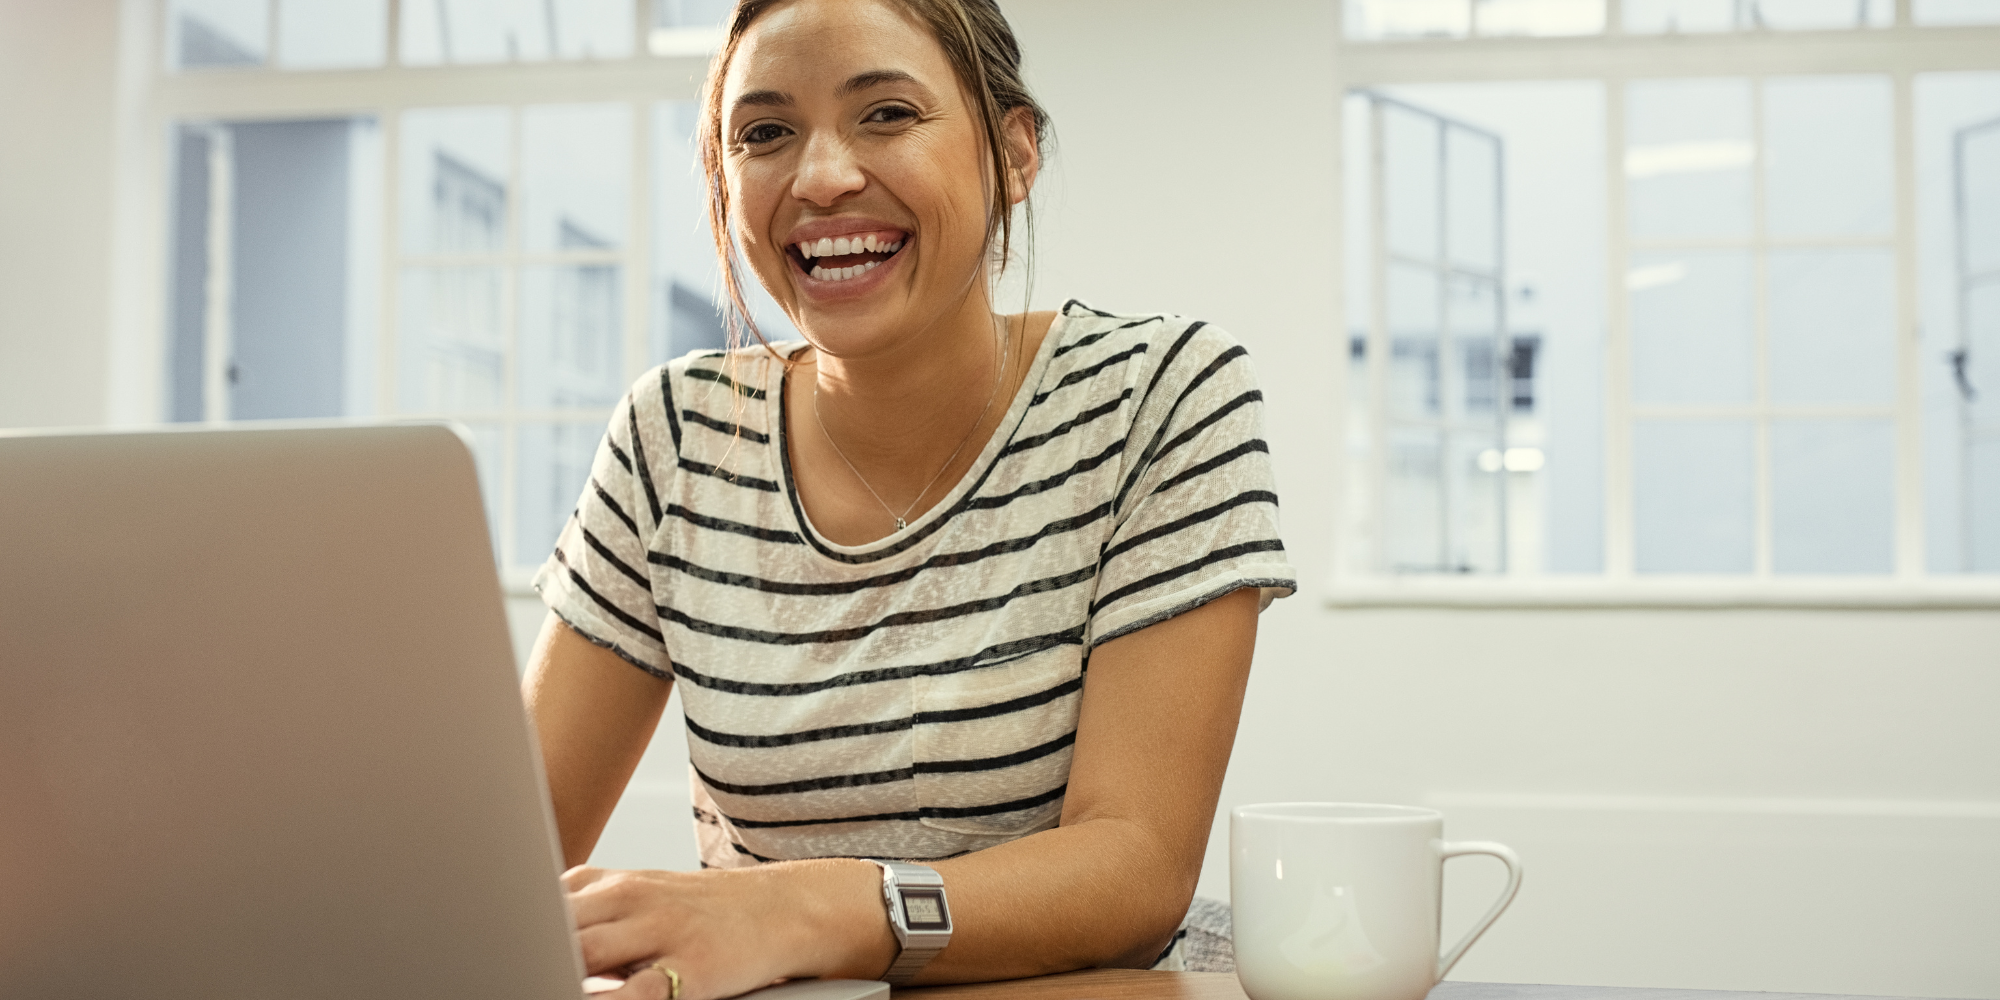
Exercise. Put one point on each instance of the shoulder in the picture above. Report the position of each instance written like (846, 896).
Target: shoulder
(720, 390)
(1162, 356)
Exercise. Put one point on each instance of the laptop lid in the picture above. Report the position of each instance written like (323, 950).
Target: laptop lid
(260, 729)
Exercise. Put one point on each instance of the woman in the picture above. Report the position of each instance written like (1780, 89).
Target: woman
(879, 561)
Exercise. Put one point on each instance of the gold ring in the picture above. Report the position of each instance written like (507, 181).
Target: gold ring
(673, 980)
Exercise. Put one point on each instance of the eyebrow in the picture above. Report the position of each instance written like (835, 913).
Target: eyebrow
(857, 82)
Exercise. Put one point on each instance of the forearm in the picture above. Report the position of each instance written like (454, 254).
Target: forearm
(1105, 892)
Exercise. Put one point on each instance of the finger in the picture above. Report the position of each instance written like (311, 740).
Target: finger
(599, 903)
(611, 948)
(582, 875)
(646, 984)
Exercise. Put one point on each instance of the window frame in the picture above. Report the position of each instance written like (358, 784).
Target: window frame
(155, 98)
(1900, 52)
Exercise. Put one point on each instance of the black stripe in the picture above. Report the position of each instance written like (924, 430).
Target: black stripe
(809, 784)
(926, 812)
(1084, 417)
(1219, 555)
(1095, 312)
(711, 375)
(740, 849)
(667, 403)
(996, 763)
(1178, 935)
(618, 453)
(616, 612)
(899, 619)
(1044, 485)
(1166, 423)
(1189, 520)
(1243, 400)
(1085, 374)
(1247, 447)
(615, 509)
(1006, 546)
(733, 527)
(619, 564)
(738, 430)
(639, 459)
(993, 655)
(1083, 342)
(1007, 707)
(722, 739)
(705, 469)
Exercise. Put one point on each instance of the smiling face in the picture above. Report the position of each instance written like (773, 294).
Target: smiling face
(858, 172)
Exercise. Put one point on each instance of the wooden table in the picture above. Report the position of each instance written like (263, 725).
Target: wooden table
(1131, 984)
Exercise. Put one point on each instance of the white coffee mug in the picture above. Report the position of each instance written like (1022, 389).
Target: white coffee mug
(1340, 901)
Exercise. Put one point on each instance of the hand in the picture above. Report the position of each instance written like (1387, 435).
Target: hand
(729, 932)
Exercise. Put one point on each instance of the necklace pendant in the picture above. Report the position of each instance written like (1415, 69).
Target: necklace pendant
(900, 525)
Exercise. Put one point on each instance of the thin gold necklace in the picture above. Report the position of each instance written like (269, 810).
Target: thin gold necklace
(901, 519)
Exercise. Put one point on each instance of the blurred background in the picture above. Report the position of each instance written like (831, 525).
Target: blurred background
(1632, 366)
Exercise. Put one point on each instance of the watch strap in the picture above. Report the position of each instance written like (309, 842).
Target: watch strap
(918, 947)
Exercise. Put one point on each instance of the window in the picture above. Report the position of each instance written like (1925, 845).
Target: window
(1743, 291)
(510, 255)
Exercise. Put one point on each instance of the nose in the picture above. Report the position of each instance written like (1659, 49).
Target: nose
(827, 172)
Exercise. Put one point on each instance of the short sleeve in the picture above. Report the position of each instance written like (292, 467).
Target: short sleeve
(597, 578)
(1197, 510)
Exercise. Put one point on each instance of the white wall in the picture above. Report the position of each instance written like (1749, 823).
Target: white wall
(57, 74)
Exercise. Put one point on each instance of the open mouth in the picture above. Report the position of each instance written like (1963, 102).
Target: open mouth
(840, 258)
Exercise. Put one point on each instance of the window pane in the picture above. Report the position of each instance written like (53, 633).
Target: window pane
(488, 31)
(1540, 17)
(1833, 326)
(575, 174)
(1692, 320)
(687, 27)
(1415, 307)
(1688, 156)
(325, 34)
(1410, 181)
(1929, 12)
(1694, 496)
(489, 456)
(1474, 493)
(1982, 497)
(1979, 170)
(1474, 313)
(453, 349)
(207, 33)
(1827, 156)
(554, 464)
(1407, 18)
(572, 353)
(1644, 17)
(1832, 496)
(1819, 15)
(1472, 193)
(1413, 502)
(683, 312)
(454, 180)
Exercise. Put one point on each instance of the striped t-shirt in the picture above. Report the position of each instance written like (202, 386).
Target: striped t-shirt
(914, 697)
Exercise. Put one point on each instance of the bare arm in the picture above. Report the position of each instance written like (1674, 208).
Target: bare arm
(594, 714)
(1106, 888)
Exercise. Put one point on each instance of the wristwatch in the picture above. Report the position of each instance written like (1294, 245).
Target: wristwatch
(914, 895)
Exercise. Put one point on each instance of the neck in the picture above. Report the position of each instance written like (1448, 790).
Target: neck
(912, 402)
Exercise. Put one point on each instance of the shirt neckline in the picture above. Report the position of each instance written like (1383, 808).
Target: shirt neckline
(940, 513)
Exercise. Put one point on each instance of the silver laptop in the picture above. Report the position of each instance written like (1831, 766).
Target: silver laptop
(260, 729)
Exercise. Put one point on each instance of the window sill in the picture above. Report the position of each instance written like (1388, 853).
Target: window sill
(1935, 593)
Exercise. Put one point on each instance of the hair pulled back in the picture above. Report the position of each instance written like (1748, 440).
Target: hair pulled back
(980, 46)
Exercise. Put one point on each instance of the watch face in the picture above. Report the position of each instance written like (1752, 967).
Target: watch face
(923, 909)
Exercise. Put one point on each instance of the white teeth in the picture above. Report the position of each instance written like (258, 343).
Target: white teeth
(823, 248)
(819, 274)
(870, 266)
(893, 247)
(868, 243)
(840, 246)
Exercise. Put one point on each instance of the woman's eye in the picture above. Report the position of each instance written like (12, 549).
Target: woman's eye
(757, 135)
(890, 113)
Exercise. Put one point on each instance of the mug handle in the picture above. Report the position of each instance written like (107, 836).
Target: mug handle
(1513, 863)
